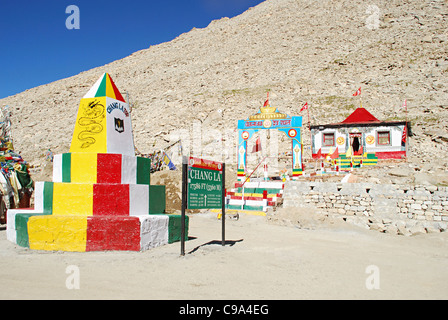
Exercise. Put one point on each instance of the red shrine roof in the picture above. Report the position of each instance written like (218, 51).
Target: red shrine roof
(360, 115)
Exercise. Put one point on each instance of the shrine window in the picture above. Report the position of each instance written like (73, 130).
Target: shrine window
(328, 139)
(383, 138)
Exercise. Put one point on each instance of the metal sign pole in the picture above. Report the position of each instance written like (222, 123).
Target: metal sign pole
(194, 199)
(184, 204)
(223, 215)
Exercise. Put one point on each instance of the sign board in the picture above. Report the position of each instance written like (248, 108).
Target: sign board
(204, 184)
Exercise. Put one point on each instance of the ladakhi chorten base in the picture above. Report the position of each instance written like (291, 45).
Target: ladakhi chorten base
(100, 197)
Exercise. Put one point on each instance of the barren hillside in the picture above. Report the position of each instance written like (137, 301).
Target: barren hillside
(299, 50)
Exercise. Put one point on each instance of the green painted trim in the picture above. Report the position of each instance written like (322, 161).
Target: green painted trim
(269, 190)
(254, 208)
(48, 197)
(233, 206)
(157, 199)
(143, 170)
(66, 167)
(245, 207)
(22, 238)
(101, 92)
(22, 229)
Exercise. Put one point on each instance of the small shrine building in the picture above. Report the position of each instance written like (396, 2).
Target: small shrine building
(364, 133)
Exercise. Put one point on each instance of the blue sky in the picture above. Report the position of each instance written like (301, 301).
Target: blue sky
(36, 47)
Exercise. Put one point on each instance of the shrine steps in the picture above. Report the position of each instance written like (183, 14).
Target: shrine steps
(255, 196)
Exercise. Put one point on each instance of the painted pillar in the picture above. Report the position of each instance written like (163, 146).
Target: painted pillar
(296, 158)
(242, 154)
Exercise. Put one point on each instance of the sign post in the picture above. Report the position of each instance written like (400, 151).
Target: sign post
(203, 187)
(223, 208)
(184, 204)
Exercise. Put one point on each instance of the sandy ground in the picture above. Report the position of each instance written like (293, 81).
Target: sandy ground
(265, 261)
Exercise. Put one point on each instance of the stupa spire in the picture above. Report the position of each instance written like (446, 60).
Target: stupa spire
(103, 123)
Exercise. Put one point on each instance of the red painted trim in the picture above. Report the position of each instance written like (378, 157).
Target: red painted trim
(108, 168)
(113, 233)
(391, 155)
(110, 199)
(249, 198)
(323, 156)
(380, 155)
(205, 164)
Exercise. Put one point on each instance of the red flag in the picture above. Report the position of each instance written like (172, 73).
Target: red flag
(335, 154)
(257, 146)
(405, 134)
(319, 153)
(358, 92)
(266, 103)
(305, 107)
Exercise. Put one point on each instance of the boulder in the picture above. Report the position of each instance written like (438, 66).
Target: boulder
(417, 229)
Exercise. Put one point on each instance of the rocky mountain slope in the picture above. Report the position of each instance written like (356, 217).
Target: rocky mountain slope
(299, 50)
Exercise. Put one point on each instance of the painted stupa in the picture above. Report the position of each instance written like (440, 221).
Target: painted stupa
(100, 197)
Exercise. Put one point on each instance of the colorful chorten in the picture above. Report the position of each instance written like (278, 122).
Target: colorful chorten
(100, 197)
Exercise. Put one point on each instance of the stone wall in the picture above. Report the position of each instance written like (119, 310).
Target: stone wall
(387, 208)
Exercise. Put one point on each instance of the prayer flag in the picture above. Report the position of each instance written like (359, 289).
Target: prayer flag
(168, 162)
(335, 154)
(360, 151)
(404, 135)
(257, 146)
(266, 103)
(305, 107)
(349, 152)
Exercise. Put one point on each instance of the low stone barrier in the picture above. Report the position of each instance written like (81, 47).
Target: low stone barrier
(384, 207)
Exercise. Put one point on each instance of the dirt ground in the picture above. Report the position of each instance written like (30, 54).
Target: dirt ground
(262, 260)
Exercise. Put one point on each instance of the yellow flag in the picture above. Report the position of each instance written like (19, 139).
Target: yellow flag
(329, 153)
(349, 152)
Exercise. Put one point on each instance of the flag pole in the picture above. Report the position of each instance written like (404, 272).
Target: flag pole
(406, 143)
(406, 104)
(311, 136)
(358, 93)
(360, 96)
(306, 106)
